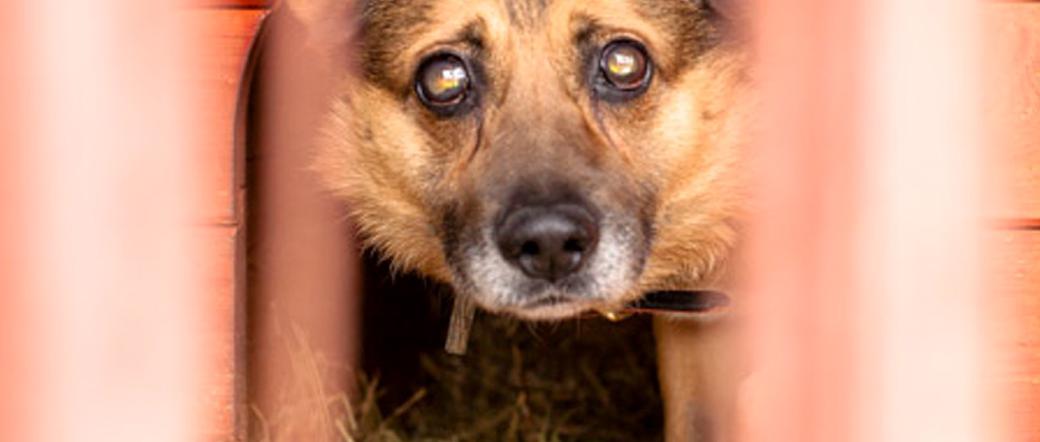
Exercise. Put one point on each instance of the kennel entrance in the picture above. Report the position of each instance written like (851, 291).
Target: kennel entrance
(1014, 219)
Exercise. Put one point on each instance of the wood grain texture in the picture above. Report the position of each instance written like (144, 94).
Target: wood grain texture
(223, 402)
(224, 37)
(1014, 265)
(1012, 103)
(222, 41)
(1012, 109)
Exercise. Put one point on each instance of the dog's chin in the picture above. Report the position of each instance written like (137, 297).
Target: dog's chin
(549, 309)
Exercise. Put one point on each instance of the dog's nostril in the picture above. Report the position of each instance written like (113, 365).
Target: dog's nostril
(548, 243)
(529, 248)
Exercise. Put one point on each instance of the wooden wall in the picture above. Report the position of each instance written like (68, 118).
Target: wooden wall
(1013, 103)
(226, 30)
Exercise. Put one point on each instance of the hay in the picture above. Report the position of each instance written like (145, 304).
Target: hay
(588, 380)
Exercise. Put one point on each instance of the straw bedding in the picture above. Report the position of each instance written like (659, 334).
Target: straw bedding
(586, 379)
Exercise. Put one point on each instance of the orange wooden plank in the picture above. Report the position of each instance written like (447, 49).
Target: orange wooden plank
(1015, 266)
(224, 38)
(1013, 104)
(224, 400)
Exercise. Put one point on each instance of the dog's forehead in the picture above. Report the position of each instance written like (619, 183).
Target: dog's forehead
(525, 13)
(400, 32)
(516, 13)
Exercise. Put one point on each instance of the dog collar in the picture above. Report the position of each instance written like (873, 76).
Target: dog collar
(684, 301)
(670, 301)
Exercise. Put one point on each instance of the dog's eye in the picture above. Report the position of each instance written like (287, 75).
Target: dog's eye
(443, 81)
(625, 65)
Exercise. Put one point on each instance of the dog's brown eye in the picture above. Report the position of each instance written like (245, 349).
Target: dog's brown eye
(625, 65)
(443, 81)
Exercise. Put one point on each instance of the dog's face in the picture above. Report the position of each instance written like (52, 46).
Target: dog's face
(545, 157)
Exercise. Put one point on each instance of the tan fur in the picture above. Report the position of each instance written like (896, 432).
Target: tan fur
(379, 159)
(400, 167)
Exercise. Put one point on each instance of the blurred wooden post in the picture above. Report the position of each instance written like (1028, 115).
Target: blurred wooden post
(865, 265)
(304, 268)
(921, 266)
(801, 263)
(104, 312)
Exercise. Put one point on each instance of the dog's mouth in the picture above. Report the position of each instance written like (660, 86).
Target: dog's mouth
(551, 307)
(547, 301)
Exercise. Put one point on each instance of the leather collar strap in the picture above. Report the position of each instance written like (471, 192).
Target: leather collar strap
(698, 301)
(694, 301)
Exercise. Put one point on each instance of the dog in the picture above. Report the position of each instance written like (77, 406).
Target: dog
(552, 157)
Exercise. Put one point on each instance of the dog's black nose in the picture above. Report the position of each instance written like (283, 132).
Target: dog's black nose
(548, 242)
